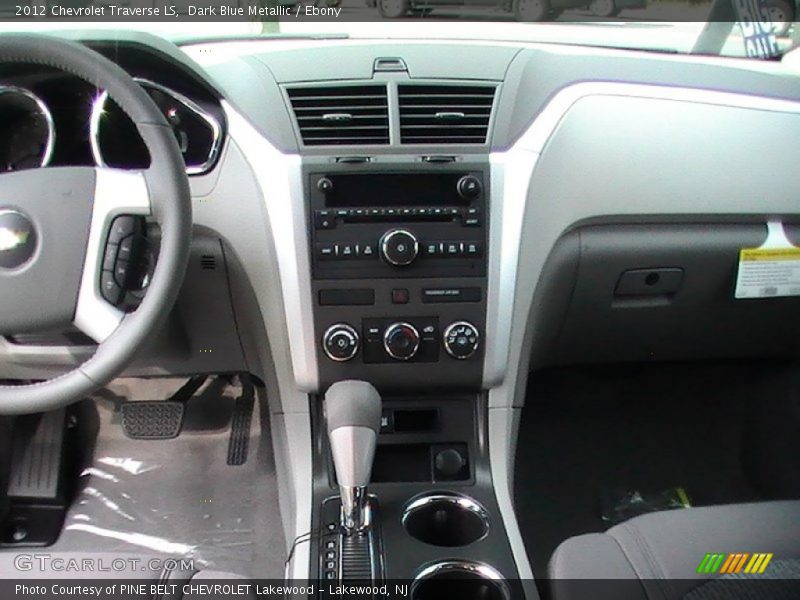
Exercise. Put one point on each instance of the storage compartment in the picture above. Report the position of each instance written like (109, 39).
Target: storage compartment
(447, 520)
(465, 580)
(619, 293)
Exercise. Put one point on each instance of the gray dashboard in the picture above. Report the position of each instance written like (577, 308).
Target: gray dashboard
(577, 135)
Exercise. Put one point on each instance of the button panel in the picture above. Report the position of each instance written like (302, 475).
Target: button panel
(127, 263)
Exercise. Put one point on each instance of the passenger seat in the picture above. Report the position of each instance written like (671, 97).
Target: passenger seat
(656, 556)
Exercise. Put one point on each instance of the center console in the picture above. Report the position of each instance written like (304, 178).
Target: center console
(399, 271)
(399, 253)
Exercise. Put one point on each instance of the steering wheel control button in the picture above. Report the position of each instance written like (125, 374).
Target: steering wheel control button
(461, 339)
(18, 239)
(109, 288)
(401, 341)
(340, 342)
(399, 247)
(121, 227)
(469, 187)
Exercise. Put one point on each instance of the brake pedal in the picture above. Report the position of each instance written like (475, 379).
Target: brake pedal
(161, 420)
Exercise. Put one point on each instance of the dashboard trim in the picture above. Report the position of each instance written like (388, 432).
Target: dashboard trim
(98, 106)
(48, 117)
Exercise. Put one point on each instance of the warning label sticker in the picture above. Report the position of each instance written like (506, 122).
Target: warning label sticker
(771, 270)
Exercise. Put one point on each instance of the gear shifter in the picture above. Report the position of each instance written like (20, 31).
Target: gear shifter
(353, 418)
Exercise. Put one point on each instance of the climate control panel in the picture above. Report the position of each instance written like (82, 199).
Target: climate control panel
(411, 339)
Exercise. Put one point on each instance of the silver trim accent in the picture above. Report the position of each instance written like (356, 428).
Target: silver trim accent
(45, 112)
(460, 500)
(116, 192)
(482, 570)
(280, 178)
(388, 236)
(98, 107)
(347, 329)
(447, 346)
(390, 329)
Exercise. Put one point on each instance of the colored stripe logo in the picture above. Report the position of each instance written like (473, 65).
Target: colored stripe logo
(736, 562)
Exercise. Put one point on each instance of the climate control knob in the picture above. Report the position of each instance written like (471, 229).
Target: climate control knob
(461, 339)
(340, 342)
(401, 341)
(399, 247)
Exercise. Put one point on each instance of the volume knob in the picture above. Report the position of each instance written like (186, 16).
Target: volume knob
(399, 247)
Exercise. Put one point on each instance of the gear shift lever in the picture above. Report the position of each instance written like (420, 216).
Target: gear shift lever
(353, 418)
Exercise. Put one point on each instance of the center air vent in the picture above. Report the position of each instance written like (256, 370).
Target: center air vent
(445, 114)
(341, 115)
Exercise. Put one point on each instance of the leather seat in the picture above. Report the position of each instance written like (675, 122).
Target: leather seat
(656, 556)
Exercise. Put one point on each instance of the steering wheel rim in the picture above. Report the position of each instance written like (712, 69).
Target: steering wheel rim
(161, 192)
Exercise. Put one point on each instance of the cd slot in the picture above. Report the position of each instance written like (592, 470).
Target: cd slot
(384, 218)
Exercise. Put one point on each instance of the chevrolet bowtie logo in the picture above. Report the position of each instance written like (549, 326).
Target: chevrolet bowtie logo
(12, 238)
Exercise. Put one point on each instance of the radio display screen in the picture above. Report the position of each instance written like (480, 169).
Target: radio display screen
(394, 189)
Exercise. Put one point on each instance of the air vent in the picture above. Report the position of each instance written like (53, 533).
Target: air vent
(208, 262)
(342, 115)
(445, 114)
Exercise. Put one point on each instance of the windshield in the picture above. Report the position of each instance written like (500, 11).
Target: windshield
(723, 27)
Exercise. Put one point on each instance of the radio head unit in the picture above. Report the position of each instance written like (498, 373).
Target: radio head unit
(411, 224)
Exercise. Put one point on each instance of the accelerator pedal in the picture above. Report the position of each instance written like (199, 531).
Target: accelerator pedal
(159, 419)
(239, 441)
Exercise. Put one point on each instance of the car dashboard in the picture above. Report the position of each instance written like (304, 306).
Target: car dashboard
(438, 218)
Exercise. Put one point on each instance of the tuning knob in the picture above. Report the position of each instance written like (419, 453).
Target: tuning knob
(340, 342)
(461, 339)
(469, 187)
(401, 341)
(399, 247)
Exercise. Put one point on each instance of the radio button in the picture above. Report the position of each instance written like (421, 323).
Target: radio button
(472, 248)
(345, 251)
(326, 251)
(324, 219)
(469, 187)
(432, 248)
(367, 250)
(399, 247)
(453, 248)
(472, 222)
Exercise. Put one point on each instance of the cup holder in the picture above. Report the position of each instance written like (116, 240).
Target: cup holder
(446, 519)
(462, 579)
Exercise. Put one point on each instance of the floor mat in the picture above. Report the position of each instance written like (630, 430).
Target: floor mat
(179, 496)
(585, 431)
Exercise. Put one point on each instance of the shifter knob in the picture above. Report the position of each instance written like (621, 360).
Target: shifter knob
(353, 420)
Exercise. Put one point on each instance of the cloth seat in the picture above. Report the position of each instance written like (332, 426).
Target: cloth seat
(656, 556)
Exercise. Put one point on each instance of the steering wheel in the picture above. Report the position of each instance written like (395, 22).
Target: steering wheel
(54, 223)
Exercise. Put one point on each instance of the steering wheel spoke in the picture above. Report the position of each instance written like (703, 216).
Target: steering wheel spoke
(118, 193)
